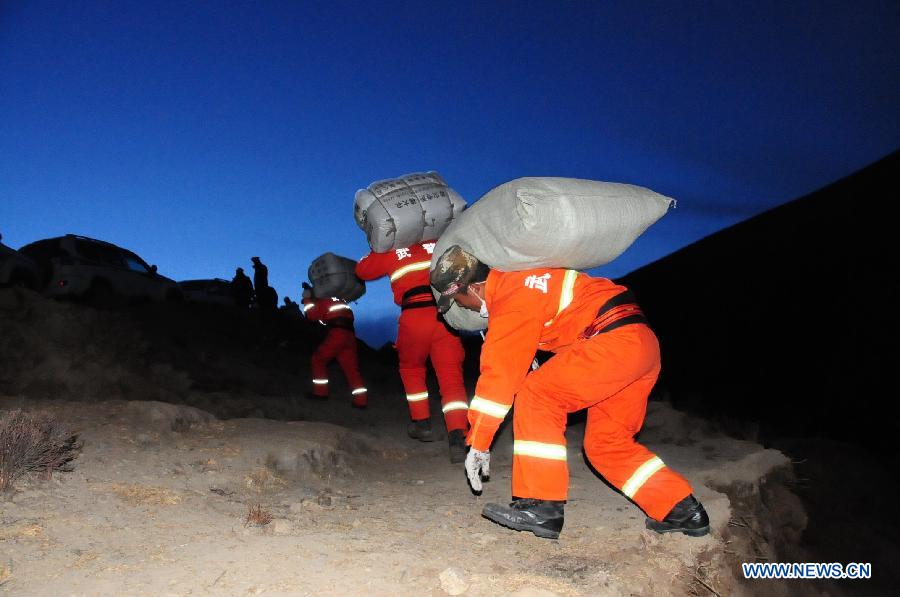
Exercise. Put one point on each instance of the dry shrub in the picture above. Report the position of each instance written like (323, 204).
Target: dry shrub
(263, 479)
(257, 516)
(34, 443)
(395, 455)
(142, 495)
(16, 531)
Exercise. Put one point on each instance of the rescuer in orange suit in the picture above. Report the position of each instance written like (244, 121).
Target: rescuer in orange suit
(606, 361)
(339, 343)
(422, 334)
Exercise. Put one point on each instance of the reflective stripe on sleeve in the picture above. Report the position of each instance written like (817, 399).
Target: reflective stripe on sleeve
(641, 475)
(568, 290)
(412, 267)
(338, 308)
(359, 391)
(307, 307)
(567, 294)
(320, 381)
(417, 397)
(539, 450)
(489, 407)
(455, 405)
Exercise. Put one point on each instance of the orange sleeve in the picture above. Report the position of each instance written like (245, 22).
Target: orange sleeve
(514, 329)
(374, 266)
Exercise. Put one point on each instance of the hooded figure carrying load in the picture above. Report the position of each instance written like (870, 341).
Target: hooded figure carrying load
(606, 360)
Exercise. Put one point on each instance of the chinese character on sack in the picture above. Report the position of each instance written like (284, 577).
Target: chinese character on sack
(538, 282)
(429, 247)
(404, 253)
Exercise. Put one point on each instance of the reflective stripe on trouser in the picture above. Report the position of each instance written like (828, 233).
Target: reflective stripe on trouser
(339, 344)
(611, 376)
(420, 336)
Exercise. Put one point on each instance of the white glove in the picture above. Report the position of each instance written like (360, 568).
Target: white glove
(478, 466)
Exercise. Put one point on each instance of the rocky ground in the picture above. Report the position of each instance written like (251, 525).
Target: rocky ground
(160, 498)
(167, 498)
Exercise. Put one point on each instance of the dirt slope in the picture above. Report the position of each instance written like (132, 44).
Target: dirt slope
(159, 499)
(149, 510)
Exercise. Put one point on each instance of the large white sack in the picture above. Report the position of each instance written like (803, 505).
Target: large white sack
(333, 275)
(538, 222)
(400, 212)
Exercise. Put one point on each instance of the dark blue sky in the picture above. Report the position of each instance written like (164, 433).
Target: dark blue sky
(199, 134)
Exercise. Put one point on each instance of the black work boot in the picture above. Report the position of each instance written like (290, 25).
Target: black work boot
(687, 516)
(421, 430)
(312, 396)
(544, 518)
(458, 448)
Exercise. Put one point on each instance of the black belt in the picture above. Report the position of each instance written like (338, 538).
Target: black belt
(620, 310)
(414, 292)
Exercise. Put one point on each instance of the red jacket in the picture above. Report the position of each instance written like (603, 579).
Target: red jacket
(408, 269)
(544, 309)
(326, 309)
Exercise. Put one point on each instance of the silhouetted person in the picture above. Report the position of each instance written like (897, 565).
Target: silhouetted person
(260, 274)
(290, 307)
(241, 289)
(267, 298)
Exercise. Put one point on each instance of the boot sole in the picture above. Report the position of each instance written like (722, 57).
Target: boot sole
(699, 532)
(540, 532)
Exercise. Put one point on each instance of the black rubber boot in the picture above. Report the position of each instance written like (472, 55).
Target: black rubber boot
(312, 396)
(421, 430)
(687, 516)
(544, 518)
(458, 448)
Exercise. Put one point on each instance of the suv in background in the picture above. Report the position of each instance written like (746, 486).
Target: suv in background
(16, 269)
(215, 291)
(101, 272)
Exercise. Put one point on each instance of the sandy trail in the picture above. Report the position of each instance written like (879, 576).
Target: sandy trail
(358, 509)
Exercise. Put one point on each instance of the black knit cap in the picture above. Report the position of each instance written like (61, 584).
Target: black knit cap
(454, 271)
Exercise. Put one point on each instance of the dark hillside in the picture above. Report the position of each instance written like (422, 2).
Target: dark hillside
(784, 327)
(788, 318)
(230, 362)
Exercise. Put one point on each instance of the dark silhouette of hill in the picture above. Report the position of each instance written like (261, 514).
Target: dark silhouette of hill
(788, 318)
(231, 362)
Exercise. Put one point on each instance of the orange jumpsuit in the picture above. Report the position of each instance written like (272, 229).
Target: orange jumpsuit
(610, 374)
(421, 334)
(339, 343)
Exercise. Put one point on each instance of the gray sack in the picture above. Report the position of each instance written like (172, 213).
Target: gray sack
(400, 212)
(539, 222)
(333, 275)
